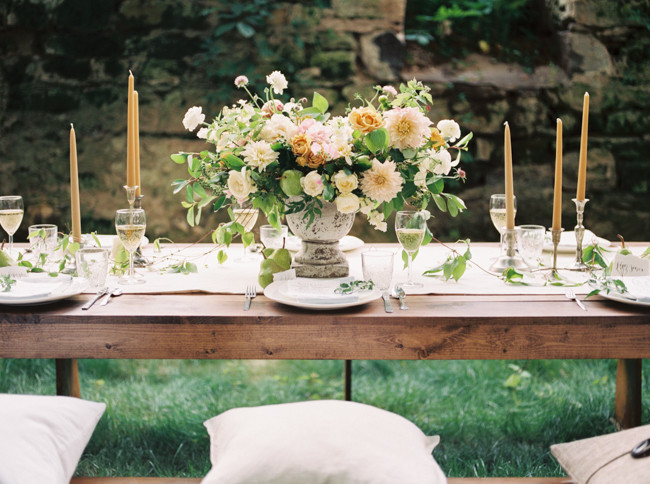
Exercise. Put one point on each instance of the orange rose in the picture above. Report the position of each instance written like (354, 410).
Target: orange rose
(436, 138)
(301, 160)
(300, 145)
(365, 119)
(314, 160)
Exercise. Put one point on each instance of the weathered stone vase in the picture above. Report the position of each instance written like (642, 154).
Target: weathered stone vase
(320, 255)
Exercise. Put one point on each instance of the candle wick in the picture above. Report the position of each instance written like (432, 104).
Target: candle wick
(130, 73)
(506, 123)
(71, 126)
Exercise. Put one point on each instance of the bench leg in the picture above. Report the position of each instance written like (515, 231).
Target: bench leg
(67, 378)
(627, 406)
(347, 381)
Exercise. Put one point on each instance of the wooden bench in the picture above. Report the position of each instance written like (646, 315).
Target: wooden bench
(196, 480)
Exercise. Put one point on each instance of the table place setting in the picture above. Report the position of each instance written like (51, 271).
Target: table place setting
(41, 288)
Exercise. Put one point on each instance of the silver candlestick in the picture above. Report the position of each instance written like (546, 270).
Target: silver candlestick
(556, 235)
(579, 264)
(509, 257)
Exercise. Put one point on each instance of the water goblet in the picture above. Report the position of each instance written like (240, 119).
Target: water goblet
(130, 225)
(410, 227)
(11, 215)
(92, 264)
(377, 266)
(498, 213)
(42, 240)
(273, 238)
(530, 243)
(245, 215)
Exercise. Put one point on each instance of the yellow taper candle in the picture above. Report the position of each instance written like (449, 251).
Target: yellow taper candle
(510, 196)
(136, 126)
(582, 167)
(557, 189)
(130, 136)
(74, 188)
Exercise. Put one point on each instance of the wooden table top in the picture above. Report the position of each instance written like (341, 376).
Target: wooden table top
(198, 326)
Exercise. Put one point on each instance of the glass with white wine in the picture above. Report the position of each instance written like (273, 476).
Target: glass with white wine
(498, 213)
(130, 225)
(245, 215)
(410, 227)
(11, 215)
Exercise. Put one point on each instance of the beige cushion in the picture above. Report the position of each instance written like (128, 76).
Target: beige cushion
(582, 458)
(42, 437)
(319, 442)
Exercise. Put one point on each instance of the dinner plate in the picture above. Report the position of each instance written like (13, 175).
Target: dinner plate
(41, 289)
(568, 244)
(638, 291)
(347, 243)
(280, 291)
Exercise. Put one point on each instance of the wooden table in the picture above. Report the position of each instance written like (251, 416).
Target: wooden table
(202, 326)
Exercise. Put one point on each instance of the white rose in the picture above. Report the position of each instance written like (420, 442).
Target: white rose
(347, 203)
(441, 162)
(277, 81)
(202, 133)
(449, 129)
(240, 184)
(193, 117)
(344, 182)
(312, 184)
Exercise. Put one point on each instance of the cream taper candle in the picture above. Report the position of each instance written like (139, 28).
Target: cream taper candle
(557, 189)
(75, 211)
(582, 167)
(510, 196)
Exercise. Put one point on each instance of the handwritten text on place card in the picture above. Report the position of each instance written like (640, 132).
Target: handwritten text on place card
(630, 265)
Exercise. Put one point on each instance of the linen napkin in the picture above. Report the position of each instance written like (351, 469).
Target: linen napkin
(318, 291)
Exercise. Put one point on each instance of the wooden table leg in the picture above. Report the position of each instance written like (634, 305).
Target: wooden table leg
(67, 378)
(347, 377)
(627, 407)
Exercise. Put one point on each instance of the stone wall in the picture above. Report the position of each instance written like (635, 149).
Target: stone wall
(67, 61)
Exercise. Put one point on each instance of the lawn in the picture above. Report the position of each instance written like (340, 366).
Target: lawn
(495, 418)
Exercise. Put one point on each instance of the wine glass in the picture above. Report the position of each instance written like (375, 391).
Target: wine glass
(245, 215)
(130, 225)
(498, 213)
(409, 227)
(11, 215)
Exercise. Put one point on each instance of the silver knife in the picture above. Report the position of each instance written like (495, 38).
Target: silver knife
(99, 294)
(387, 305)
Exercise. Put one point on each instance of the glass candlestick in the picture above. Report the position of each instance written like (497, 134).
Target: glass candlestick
(579, 264)
(130, 194)
(509, 256)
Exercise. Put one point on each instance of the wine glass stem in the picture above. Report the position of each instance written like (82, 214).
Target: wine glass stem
(11, 245)
(131, 271)
(409, 268)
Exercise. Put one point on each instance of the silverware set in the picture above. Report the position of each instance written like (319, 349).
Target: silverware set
(571, 294)
(104, 292)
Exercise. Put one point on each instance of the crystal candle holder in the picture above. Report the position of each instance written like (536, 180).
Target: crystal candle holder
(509, 256)
(579, 264)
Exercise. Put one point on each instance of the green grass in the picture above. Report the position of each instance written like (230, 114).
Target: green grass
(155, 409)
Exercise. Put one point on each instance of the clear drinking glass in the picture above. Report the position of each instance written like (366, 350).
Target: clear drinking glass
(377, 266)
(273, 238)
(92, 264)
(410, 227)
(130, 225)
(11, 215)
(530, 243)
(498, 213)
(246, 215)
(42, 238)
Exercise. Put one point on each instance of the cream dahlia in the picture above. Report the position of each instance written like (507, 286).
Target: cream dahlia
(259, 154)
(382, 182)
(407, 127)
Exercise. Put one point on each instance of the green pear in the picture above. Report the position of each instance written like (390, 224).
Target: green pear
(290, 183)
(5, 260)
(277, 260)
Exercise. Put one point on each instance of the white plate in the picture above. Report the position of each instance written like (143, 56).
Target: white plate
(41, 288)
(638, 287)
(279, 292)
(567, 243)
(347, 243)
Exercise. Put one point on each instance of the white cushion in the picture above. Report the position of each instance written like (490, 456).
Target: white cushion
(42, 437)
(319, 442)
(605, 459)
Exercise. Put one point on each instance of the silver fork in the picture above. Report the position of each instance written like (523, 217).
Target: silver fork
(251, 292)
(571, 294)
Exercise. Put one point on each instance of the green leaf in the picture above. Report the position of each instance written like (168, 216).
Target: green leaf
(320, 103)
(179, 185)
(179, 158)
(219, 203)
(328, 189)
(222, 256)
(248, 238)
(194, 166)
(234, 162)
(377, 140)
(437, 185)
(189, 194)
(440, 202)
(513, 381)
(459, 268)
(190, 216)
(199, 191)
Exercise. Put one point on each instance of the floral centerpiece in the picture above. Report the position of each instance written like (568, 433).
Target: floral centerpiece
(287, 157)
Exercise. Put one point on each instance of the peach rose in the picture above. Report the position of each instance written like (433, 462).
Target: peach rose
(301, 145)
(365, 119)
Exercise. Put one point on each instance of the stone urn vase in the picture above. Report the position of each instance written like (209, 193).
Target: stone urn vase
(320, 255)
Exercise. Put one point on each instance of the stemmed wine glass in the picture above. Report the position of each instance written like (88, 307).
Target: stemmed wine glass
(498, 213)
(130, 225)
(11, 215)
(409, 227)
(245, 215)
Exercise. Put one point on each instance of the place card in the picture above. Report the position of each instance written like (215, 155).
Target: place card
(628, 265)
